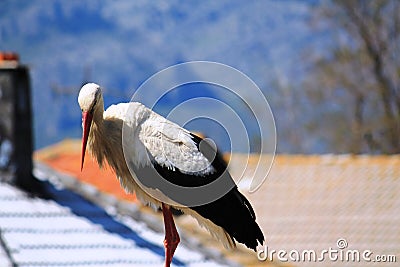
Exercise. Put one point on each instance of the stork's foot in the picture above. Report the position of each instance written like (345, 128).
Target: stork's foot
(172, 239)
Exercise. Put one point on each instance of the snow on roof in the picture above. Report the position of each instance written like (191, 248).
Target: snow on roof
(68, 230)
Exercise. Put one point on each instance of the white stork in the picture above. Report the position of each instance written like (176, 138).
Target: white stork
(228, 218)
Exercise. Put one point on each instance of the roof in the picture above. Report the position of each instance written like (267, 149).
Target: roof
(68, 230)
(66, 157)
(310, 202)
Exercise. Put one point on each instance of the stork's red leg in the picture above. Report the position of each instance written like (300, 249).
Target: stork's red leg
(172, 239)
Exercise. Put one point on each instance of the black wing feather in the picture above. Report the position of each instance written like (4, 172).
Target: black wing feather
(233, 212)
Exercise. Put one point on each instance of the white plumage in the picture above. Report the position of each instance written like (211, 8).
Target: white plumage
(169, 144)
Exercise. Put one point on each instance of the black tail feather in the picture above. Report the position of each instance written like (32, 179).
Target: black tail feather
(234, 213)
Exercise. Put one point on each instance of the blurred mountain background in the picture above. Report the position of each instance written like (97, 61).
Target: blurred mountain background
(329, 69)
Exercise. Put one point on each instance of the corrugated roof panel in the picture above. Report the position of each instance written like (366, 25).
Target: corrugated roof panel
(70, 231)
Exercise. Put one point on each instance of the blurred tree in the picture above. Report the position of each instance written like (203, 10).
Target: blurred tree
(359, 74)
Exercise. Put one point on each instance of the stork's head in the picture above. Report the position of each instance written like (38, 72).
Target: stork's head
(90, 100)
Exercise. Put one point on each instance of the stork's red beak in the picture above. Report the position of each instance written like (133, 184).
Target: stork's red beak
(86, 123)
